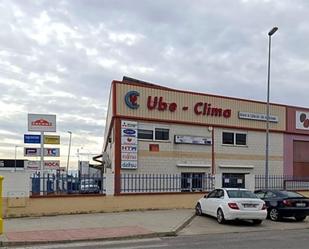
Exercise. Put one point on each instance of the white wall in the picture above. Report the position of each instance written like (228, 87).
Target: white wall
(15, 184)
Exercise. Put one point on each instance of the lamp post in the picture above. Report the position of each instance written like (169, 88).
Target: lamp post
(15, 157)
(270, 33)
(68, 161)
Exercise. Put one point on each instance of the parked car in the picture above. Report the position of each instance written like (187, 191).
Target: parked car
(231, 204)
(89, 186)
(284, 204)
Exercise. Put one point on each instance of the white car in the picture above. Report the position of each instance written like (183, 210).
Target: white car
(232, 204)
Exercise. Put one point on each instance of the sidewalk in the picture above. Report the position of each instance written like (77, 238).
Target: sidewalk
(99, 226)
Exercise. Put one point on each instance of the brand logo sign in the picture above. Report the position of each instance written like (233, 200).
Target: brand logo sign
(129, 141)
(128, 133)
(131, 99)
(129, 164)
(49, 165)
(37, 152)
(128, 148)
(50, 139)
(32, 139)
(129, 156)
(41, 122)
(302, 120)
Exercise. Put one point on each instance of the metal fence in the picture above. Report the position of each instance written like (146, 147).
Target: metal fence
(62, 184)
(282, 182)
(165, 183)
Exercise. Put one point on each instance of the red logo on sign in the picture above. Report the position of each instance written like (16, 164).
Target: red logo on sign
(41, 122)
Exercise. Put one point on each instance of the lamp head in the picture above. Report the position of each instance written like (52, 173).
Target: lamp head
(272, 31)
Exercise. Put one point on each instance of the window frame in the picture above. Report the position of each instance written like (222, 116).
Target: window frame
(235, 139)
(153, 128)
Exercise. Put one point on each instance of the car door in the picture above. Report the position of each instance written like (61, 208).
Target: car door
(207, 202)
(270, 199)
(217, 201)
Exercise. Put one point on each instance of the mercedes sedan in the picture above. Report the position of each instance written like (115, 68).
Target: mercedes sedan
(232, 204)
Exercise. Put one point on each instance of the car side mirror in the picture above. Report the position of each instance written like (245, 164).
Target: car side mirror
(205, 196)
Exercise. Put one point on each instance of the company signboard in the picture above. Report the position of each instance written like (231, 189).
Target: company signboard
(41, 122)
(51, 139)
(32, 139)
(37, 152)
(11, 163)
(128, 144)
(257, 116)
(182, 139)
(48, 165)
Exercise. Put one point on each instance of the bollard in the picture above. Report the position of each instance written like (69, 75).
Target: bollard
(1, 203)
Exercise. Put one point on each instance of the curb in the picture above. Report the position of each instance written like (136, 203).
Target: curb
(141, 236)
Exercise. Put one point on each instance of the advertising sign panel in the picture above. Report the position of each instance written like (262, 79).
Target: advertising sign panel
(257, 116)
(129, 164)
(302, 120)
(129, 132)
(182, 139)
(128, 144)
(128, 148)
(48, 165)
(32, 139)
(128, 156)
(51, 139)
(41, 122)
(128, 140)
(37, 152)
(128, 124)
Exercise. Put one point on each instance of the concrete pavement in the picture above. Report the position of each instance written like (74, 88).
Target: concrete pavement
(98, 226)
(208, 225)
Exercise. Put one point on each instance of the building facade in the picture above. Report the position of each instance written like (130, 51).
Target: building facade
(152, 129)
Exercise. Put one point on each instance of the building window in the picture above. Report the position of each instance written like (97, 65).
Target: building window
(162, 134)
(231, 138)
(228, 138)
(192, 182)
(145, 134)
(241, 139)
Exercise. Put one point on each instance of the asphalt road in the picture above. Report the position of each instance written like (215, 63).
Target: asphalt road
(284, 239)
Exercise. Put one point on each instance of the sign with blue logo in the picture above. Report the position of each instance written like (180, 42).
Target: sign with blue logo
(32, 139)
(128, 133)
(131, 99)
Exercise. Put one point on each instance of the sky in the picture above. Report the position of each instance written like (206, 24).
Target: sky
(59, 57)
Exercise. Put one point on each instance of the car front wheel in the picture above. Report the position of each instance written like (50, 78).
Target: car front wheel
(300, 218)
(220, 216)
(198, 209)
(274, 214)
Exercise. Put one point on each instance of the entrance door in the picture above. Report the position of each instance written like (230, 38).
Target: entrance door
(233, 180)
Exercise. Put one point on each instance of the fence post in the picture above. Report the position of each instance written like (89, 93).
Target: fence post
(1, 203)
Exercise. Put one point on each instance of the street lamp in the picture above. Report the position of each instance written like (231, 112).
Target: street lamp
(68, 161)
(270, 33)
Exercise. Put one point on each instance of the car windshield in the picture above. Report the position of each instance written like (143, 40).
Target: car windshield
(290, 194)
(241, 194)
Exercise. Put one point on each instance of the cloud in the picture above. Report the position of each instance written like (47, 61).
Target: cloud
(60, 56)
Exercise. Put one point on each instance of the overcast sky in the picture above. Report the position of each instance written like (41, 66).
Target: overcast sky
(59, 57)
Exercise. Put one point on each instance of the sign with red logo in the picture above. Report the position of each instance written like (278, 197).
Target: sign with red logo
(48, 165)
(162, 105)
(41, 122)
